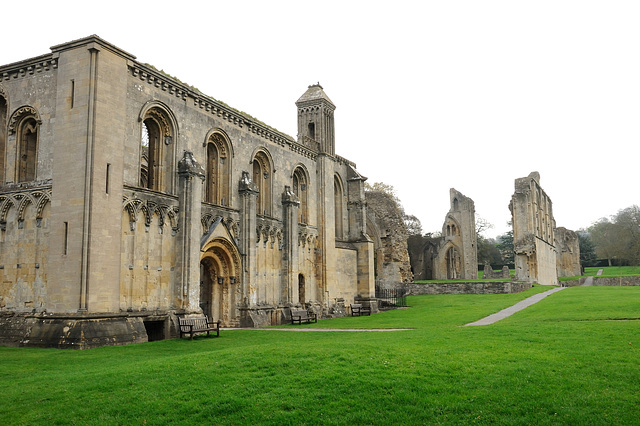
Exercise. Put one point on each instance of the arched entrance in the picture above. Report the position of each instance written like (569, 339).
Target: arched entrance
(453, 264)
(220, 282)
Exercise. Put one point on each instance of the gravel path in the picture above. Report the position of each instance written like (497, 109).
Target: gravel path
(515, 308)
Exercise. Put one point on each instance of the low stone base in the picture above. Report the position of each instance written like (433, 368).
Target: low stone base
(81, 331)
(487, 287)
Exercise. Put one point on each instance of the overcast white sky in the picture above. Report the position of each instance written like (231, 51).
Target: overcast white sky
(429, 94)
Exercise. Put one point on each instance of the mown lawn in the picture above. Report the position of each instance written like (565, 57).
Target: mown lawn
(565, 360)
(613, 271)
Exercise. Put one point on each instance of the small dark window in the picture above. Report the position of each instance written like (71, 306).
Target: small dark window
(312, 130)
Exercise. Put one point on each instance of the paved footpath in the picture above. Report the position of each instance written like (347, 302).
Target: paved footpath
(515, 308)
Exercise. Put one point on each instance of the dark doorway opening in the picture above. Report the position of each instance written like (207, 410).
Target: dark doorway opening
(155, 330)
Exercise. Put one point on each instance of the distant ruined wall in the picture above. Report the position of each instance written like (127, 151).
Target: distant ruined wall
(458, 252)
(385, 225)
(533, 232)
(567, 253)
(454, 255)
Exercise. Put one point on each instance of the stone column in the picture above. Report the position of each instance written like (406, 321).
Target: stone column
(248, 221)
(190, 174)
(290, 205)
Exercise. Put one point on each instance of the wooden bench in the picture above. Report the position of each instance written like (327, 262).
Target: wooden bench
(358, 310)
(299, 315)
(197, 325)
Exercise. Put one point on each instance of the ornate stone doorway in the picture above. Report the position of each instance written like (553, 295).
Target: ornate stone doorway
(220, 282)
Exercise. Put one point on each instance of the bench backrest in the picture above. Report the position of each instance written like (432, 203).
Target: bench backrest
(299, 313)
(356, 306)
(197, 323)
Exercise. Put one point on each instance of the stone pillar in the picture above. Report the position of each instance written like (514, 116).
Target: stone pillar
(290, 205)
(190, 174)
(248, 221)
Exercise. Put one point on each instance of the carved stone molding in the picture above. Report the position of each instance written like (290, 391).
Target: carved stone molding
(20, 114)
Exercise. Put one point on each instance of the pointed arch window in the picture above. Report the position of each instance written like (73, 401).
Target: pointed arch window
(262, 177)
(217, 188)
(300, 187)
(156, 153)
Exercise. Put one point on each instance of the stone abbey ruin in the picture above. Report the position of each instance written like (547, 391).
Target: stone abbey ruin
(542, 251)
(129, 199)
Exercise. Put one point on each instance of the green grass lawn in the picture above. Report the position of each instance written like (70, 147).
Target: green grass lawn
(564, 360)
(614, 271)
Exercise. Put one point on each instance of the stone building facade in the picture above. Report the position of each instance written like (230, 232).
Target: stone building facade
(453, 255)
(533, 232)
(128, 198)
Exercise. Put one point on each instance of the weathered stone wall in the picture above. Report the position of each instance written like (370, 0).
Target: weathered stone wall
(489, 273)
(533, 232)
(466, 288)
(567, 253)
(386, 226)
(605, 281)
(422, 252)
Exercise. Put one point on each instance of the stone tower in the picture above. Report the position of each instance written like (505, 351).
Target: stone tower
(315, 120)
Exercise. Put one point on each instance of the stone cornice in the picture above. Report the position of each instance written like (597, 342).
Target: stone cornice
(28, 67)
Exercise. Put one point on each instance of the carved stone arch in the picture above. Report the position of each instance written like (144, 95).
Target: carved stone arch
(132, 207)
(448, 230)
(218, 154)
(6, 202)
(300, 186)
(227, 252)
(262, 174)
(43, 200)
(221, 139)
(263, 155)
(450, 260)
(25, 123)
(159, 135)
(169, 119)
(147, 212)
(20, 114)
(24, 203)
(162, 210)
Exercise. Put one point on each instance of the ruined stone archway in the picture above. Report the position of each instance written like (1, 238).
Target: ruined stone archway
(220, 281)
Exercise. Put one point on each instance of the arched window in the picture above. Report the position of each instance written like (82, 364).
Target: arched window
(156, 151)
(218, 171)
(338, 199)
(300, 187)
(262, 176)
(3, 134)
(27, 149)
